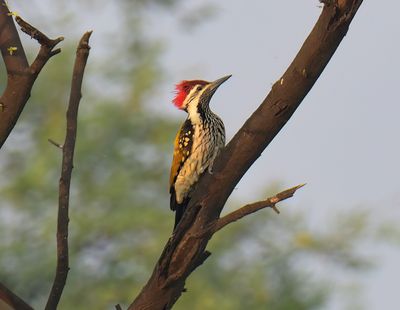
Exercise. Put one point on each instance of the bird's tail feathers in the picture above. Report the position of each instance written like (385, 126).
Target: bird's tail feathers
(180, 209)
(173, 204)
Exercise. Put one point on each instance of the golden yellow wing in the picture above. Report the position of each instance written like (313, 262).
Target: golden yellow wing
(182, 150)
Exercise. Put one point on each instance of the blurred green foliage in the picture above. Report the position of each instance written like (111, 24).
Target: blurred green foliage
(119, 212)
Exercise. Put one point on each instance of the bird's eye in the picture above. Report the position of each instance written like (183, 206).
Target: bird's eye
(199, 88)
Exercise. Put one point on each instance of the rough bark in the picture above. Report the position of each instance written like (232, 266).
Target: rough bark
(185, 250)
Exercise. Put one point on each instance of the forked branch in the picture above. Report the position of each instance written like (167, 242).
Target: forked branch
(20, 75)
(254, 207)
(46, 45)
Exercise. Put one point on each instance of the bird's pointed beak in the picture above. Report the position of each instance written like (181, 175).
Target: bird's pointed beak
(217, 83)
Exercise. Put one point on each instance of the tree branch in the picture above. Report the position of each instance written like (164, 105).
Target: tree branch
(68, 148)
(20, 76)
(254, 207)
(183, 250)
(15, 62)
(12, 300)
(46, 45)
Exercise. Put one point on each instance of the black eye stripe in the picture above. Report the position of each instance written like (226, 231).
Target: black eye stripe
(195, 93)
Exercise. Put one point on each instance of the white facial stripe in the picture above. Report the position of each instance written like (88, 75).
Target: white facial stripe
(194, 95)
(189, 97)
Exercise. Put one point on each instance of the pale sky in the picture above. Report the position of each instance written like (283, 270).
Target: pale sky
(342, 141)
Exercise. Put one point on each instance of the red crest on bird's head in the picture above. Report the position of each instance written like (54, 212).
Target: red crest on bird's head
(183, 89)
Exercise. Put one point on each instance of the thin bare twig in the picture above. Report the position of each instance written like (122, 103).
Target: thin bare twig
(66, 171)
(12, 299)
(58, 145)
(253, 207)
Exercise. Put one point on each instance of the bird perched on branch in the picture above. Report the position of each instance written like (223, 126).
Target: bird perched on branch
(198, 141)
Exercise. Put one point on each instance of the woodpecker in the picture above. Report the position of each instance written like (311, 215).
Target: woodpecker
(197, 143)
